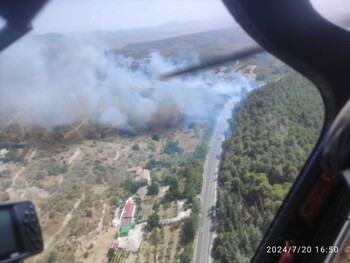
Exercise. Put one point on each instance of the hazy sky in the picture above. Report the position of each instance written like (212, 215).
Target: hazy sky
(65, 16)
(87, 15)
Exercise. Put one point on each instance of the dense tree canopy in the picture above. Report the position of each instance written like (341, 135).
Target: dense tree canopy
(274, 130)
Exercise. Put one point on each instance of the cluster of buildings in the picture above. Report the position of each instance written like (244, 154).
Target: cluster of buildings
(125, 219)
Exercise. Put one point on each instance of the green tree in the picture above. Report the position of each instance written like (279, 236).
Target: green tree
(189, 228)
(136, 147)
(151, 164)
(153, 189)
(172, 147)
(153, 220)
(173, 192)
(52, 257)
(110, 253)
(200, 152)
(131, 185)
(155, 137)
(185, 257)
(88, 213)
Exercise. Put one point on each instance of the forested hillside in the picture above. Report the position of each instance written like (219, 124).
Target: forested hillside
(274, 131)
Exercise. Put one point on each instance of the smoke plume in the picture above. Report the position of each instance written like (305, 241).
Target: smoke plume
(47, 86)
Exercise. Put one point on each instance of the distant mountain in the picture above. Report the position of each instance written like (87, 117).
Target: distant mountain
(207, 44)
(196, 25)
(121, 38)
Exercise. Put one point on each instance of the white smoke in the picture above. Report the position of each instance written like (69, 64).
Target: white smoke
(47, 86)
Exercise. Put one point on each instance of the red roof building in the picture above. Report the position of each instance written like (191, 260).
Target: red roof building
(127, 214)
(128, 209)
(141, 175)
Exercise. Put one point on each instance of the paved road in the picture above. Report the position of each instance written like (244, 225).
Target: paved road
(208, 195)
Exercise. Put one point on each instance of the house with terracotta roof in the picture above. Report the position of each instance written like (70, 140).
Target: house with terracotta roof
(142, 175)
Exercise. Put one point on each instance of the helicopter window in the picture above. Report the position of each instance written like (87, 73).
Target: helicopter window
(112, 155)
(2, 22)
(336, 12)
